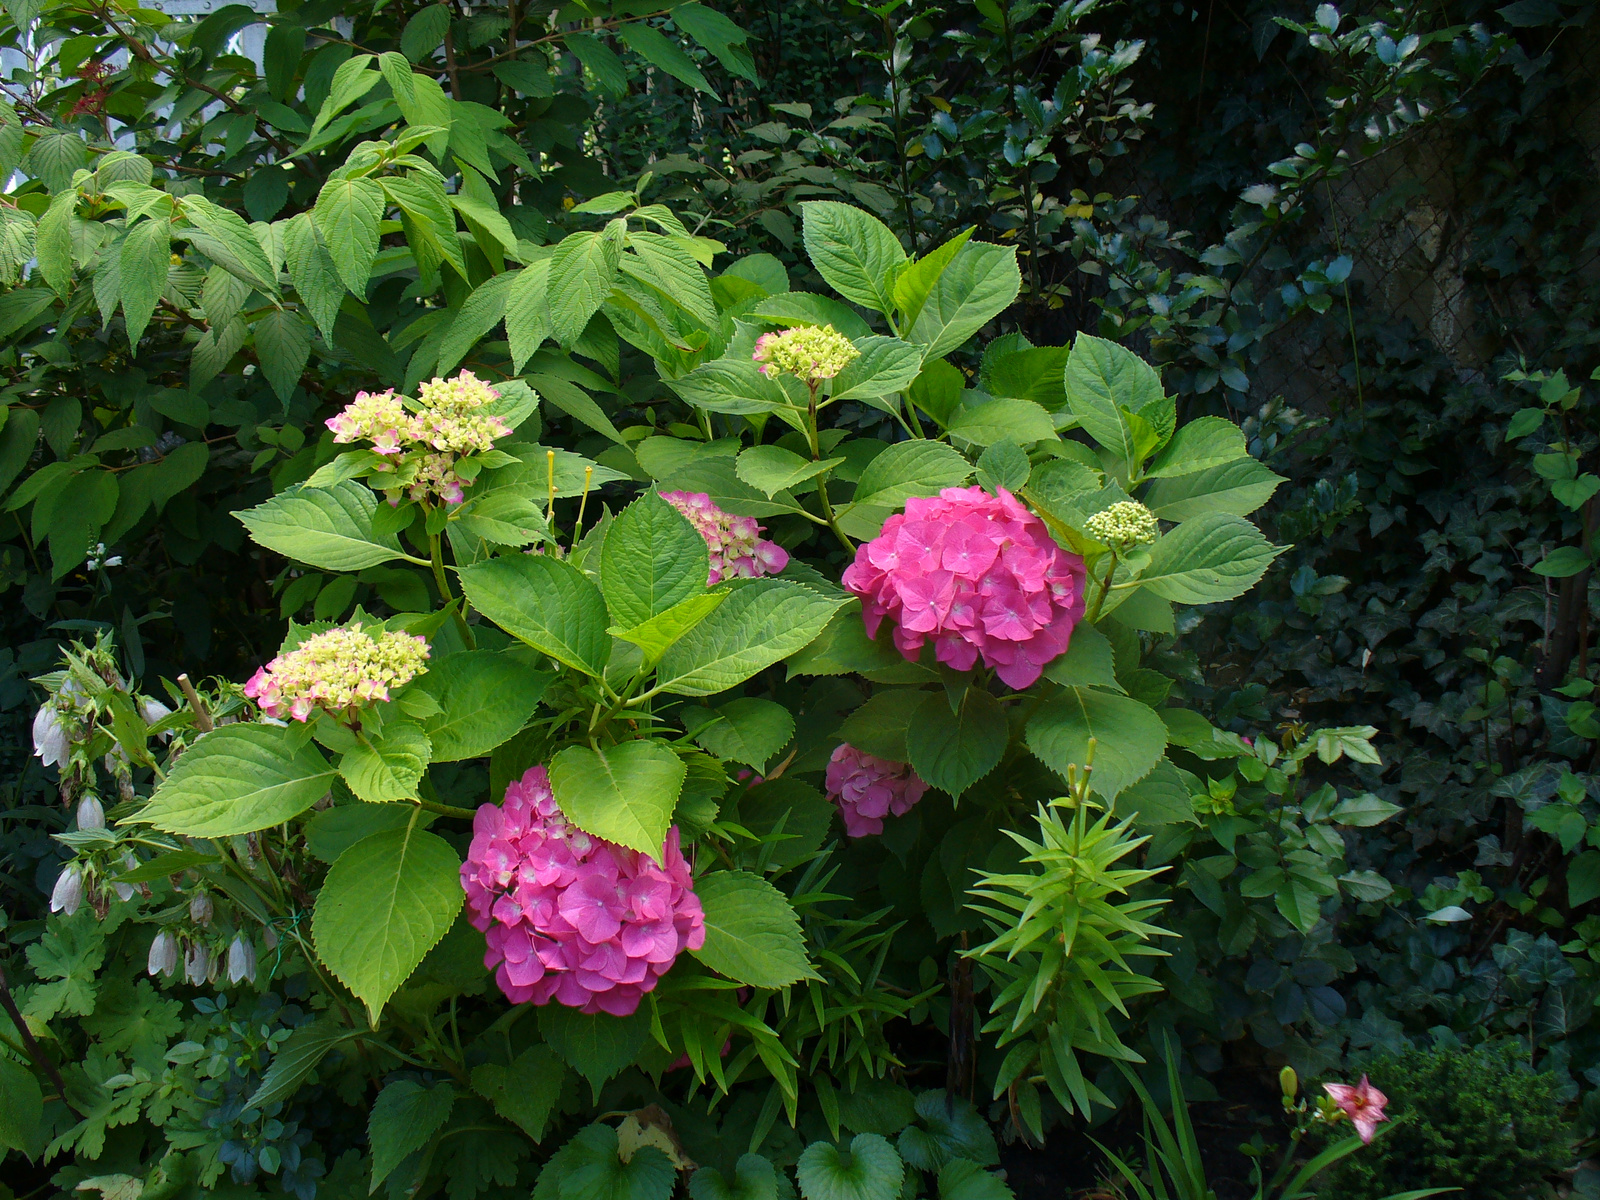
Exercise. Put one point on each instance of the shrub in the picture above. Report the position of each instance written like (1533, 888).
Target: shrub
(1476, 1119)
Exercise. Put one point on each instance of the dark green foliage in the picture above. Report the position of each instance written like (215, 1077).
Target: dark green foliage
(1477, 1119)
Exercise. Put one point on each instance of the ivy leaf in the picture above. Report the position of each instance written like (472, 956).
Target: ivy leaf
(869, 1170)
(752, 934)
(485, 697)
(236, 780)
(963, 1179)
(948, 1128)
(748, 731)
(1129, 737)
(652, 559)
(623, 793)
(388, 765)
(404, 1120)
(754, 1178)
(386, 902)
(952, 751)
(331, 528)
(547, 603)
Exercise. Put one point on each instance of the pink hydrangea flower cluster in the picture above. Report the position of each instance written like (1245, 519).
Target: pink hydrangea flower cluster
(427, 442)
(977, 574)
(570, 917)
(337, 671)
(868, 789)
(737, 548)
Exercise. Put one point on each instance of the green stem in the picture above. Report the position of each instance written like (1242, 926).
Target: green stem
(822, 481)
(1105, 589)
(444, 810)
(436, 555)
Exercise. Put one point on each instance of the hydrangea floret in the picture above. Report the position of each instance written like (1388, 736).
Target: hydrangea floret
(1124, 525)
(867, 789)
(338, 671)
(426, 439)
(738, 551)
(809, 352)
(978, 575)
(570, 917)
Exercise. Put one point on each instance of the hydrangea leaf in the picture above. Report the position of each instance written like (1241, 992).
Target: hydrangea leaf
(405, 1117)
(752, 934)
(623, 793)
(762, 622)
(239, 779)
(388, 765)
(545, 602)
(748, 731)
(597, 1046)
(330, 528)
(652, 559)
(484, 696)
(386, 902)
(1129, 737)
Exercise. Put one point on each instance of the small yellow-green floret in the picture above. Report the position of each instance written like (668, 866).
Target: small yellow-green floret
(1125, 523)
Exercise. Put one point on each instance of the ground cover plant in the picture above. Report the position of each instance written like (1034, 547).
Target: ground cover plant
(589, 679)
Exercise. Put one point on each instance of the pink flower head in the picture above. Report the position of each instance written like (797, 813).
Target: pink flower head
(570, 917)
(337, 671)
(979, 576)
(737, 547)
(1362, 1103)
(867, 789)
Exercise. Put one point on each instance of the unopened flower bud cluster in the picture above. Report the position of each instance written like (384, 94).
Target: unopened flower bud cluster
(1126, 523)
(337, 671)
(426, 439)
(809, 352)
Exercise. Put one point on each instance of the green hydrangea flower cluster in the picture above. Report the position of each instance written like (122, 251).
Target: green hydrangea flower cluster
(809, 352)
(337, 671)
(1126, 523)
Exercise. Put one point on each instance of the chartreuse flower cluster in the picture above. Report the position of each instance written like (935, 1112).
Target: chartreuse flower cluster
(979, 575)
(1124, 525)
(425, 441)
(737, 548)
(338, 671)
(810, 353)
(570, 917)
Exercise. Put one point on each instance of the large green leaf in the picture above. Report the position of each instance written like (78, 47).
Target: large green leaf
(881, 726)
(623, 793)
(808, 308)
(752, 934)
(347, 215)
(747, 730)
(403, 1120)
(386, 902)
(547, 603)
(1105, 383)
(331, 528)
(484, 697)
(953, 750)
(977, 286)
(297, 1057)
(772, 469)
(1238, 487)
(854, 251)
(283, 344)
(658, 634)
(732, 385)
(1215, 556)
(1162, 797)
(652, 559)
(1203, 443)
(581, 273)
(595, 1045)
(717, 476)
(1129, 737)
(1020, 421)
(884, 366)
(22, 1126)
(905, 469)
(761, 623)
(142, 273)
(387, 765)
(238, 779)
(524, 1093)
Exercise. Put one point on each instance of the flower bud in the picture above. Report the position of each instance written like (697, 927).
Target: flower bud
(91, 815)
(201, 910)
(241, 960)
(1289, 1082)
(67, 895)
(152, 710)
(163, 954)
(197, 964)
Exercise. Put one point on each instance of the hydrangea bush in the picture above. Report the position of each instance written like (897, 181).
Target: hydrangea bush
(706, 740)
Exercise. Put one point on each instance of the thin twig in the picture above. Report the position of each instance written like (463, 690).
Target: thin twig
(35, 1051)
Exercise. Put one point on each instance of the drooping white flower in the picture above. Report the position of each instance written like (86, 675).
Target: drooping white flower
(241, 959)
(201, 910)
(67, 895)
(50, 737)
(197, 964)
(163, 954)
(91, 814)
(124, 891)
